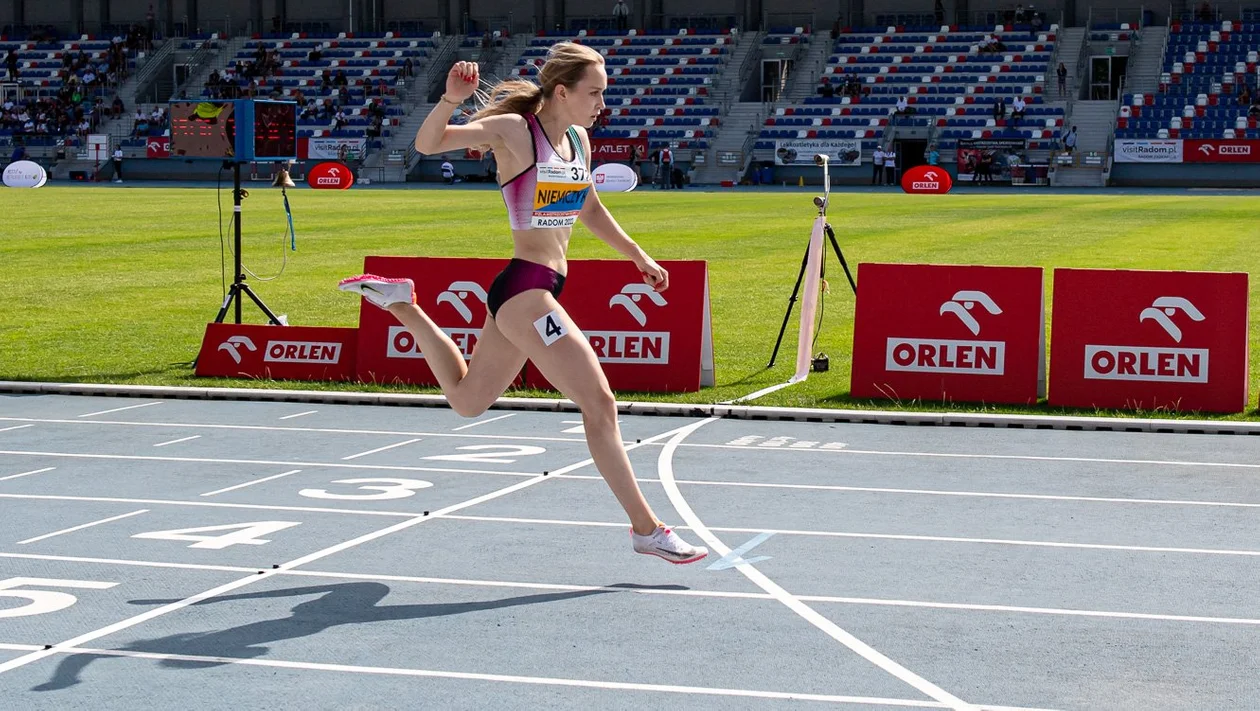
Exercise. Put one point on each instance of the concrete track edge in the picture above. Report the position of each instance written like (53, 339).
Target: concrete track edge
(742, 412)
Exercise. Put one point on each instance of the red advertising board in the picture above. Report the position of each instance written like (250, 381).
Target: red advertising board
(926, 179)
(949, 333)
(330, 175)
(157, 147)
(618, 150)
(1148, 339)
(645, 341)
(279, 352)
(1224, 150)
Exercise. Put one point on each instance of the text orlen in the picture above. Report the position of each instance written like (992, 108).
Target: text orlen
(302, 352)
(1169, 365)
(921, 185)
(938, 355)
(639, 347)
(401, 344)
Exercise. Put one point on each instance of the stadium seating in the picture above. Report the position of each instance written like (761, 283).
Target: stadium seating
(1205, 69)
(40, 65)
(365, 59)
(944, 77)
(657, 81)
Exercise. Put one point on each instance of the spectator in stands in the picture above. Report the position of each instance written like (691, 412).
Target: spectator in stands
(1017, 108)
(1069, 141)
(315, 54)
(1244, 96)
(621, 11)
(1037, 24)
(877, 165)
(939, 10)
(827, 91)
(1062, 72)
(339, 120)
(1020, 16)
(448, 173)
(11, 64)
(999, 109)
(1205, 12)
(409, 69)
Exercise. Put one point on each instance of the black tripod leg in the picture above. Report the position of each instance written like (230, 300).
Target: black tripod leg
(836, 246)
(245, 288)
(232, 294)
(791, 301)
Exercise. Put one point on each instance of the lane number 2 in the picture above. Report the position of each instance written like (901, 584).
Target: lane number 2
(490, 453)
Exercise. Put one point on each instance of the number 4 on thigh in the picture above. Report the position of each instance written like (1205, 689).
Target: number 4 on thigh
(242, 534)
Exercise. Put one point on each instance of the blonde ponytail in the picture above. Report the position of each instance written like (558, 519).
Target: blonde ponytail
(565, 65)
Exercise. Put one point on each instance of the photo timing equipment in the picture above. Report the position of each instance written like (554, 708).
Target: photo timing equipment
(237, 131)
(816, 266)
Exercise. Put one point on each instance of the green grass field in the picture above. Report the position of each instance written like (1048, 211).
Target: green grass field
(115, 285)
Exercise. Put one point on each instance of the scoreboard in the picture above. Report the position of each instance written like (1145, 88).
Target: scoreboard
(236, 130)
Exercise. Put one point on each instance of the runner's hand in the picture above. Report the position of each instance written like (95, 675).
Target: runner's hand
(462, 81)
(654, 274)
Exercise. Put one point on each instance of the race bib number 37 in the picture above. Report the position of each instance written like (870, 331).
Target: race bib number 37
(559, 195)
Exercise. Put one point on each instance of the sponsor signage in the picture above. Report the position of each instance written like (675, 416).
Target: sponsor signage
(841, 151)
(1148, 151)
(949, 333)
(998, 153)
(1149, 340)
(645, 340)
(157, 147)
(277, 352)
(618, 150)
(615, 178)
(25, 174)
(926, 179)
(334, 148)
(1222, 151)
(330, 176)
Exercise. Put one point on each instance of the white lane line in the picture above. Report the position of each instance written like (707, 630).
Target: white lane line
(15, 427)
(82, 526)
(264, 462)
(269, 573)
(177, 441)
(37, 471)
(665, 470)
(886, 536)
(725, 594)
(275, 428)
(508, 678)
(120, 409)
(947, 455)
(250, 483)
(210, 504)
(379, 449)
(482, 422)
(299, 414)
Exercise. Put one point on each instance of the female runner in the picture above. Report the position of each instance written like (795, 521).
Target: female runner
(538, 135)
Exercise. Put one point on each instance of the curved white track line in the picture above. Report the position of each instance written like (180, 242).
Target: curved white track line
(665, 469)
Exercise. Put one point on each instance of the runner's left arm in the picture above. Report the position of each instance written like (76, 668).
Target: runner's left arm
(603, 225)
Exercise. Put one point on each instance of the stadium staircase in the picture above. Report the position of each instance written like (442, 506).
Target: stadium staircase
(728, 155)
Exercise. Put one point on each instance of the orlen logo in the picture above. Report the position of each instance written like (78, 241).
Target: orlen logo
(302, 352)
(638, 347)
(457, 294)
(330, 175)
(234, 343)
(1177, 365)
(926, 179)
(940, 355)
(629, 299)
(401, 344)
(1228, 149)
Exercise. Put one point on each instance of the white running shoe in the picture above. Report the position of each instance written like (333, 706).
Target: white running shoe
(663, 542)
(381, 291)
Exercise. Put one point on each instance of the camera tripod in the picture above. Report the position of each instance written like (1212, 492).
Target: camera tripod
(821, 227)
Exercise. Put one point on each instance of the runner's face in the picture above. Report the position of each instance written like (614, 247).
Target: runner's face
(585, 100)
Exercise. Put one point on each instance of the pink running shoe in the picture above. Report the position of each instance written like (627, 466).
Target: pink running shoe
(381, 291)
(663, 542)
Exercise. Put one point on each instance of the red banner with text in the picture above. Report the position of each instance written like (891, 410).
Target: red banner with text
(1149, 339)
(1224, 150)
(618, 150)
(949, 333)
(231, 350)
(645, 341)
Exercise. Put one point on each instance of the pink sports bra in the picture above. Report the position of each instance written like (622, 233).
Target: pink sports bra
(551, 192)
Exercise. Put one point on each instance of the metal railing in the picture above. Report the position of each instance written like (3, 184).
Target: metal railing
(154, 62)
(449, 47)
(195, 62)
